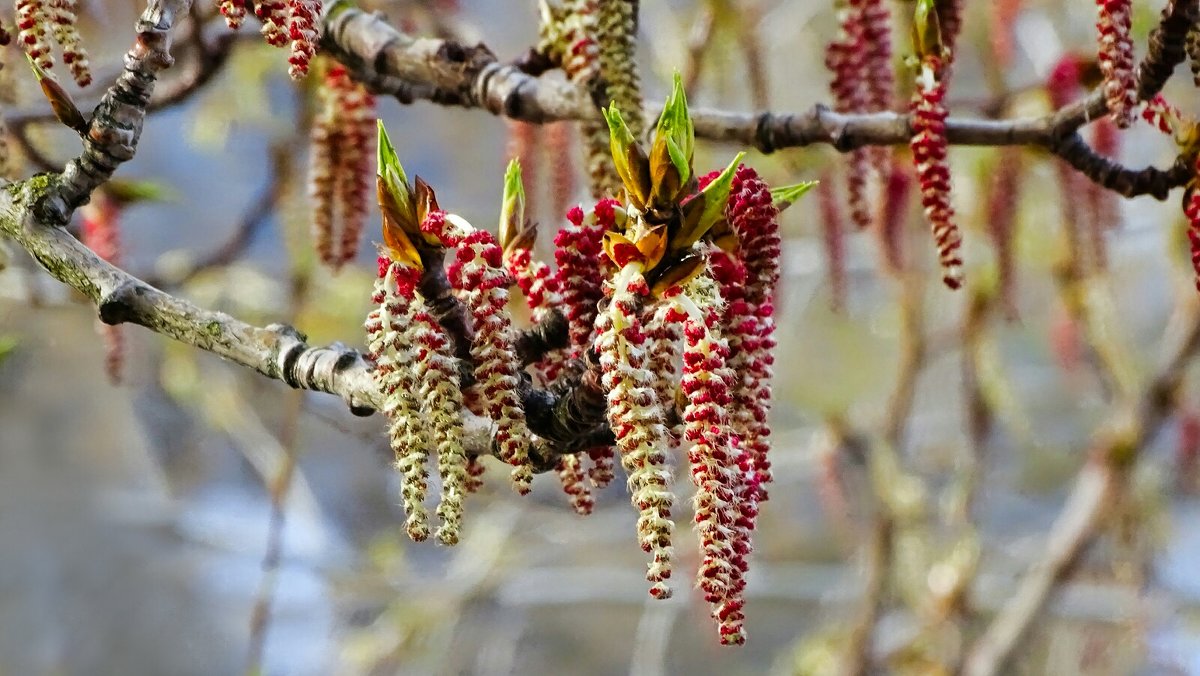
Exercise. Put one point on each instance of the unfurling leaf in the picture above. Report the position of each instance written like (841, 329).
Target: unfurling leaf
(515, 233)
(674, 145)
(785, 196)
(395, 194)
(648, 249)
(633, 166)
(707, 209)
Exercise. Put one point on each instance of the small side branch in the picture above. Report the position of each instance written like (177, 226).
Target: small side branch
(116, 125)
(442, 71)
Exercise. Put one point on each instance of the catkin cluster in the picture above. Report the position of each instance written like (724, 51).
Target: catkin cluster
(667, 296)
(285, 23)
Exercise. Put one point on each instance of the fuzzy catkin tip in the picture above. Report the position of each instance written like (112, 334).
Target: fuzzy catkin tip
(571, 475)
(304, 34)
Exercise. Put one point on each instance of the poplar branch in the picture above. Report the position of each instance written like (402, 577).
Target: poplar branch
(394, 63)
(33, 213)
(112, 136)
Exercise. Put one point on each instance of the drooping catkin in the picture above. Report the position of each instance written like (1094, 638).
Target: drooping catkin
(479, 279)
(392, 346)
(1114, 19)
(755, 220)
(929, 148)
(846, 58)
(340, 166)
(712, 452)
(442, 406)
(637, 420)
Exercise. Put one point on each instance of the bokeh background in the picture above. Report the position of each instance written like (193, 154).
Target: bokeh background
(135, 519)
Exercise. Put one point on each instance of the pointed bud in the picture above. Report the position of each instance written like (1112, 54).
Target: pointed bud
(927, 33)
(674, 145)
(633, 166)
(396, 198)
(706, 210)
(61, 103)
(515, 233)
(784, 196)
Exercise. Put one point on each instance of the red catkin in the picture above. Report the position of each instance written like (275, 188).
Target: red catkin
(637, 420)
(893, 217)
(1191, 210)
(834, 239)
(846, 58)
(1001, 223)
(1115, 53)
(100, 231)
(343, 138)
(478, 277)
(929, 146)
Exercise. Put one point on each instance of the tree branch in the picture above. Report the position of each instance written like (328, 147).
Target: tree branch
(394, 63)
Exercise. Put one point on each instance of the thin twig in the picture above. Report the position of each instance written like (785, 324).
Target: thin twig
(279, 487)
(394, 63)
(1078, 524)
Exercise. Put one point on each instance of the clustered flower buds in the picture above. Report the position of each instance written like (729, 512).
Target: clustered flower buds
(284, 23)
(541, 289)
(100, 231)
(929, 144)
(59, 17)
(1115, 51)
(478, 276)
(340, 165)
(668, 297)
